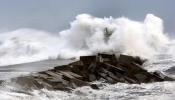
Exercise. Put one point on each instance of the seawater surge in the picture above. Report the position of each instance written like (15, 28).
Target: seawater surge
(86, 36)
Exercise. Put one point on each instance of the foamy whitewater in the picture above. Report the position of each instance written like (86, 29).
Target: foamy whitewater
(90, 35)
(86, 36)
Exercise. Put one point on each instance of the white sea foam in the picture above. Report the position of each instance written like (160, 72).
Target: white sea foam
(121, 91)
(87, 35)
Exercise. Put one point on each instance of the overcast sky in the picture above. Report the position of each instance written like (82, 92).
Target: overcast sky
(55, 15)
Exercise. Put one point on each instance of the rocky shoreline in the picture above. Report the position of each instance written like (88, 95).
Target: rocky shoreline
(101, 67)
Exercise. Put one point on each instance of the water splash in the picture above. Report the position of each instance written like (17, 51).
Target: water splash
(87, 35)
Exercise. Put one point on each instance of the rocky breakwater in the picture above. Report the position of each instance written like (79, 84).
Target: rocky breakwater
(102, 67)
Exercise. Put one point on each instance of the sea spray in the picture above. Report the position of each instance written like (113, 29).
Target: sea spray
(27, 45)
(87, 35)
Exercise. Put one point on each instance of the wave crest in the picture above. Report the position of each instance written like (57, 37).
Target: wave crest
(87, 35)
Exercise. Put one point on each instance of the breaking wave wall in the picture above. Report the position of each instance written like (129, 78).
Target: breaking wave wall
(87, 35)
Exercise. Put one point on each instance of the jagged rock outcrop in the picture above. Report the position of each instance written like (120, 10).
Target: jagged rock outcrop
(106, 67)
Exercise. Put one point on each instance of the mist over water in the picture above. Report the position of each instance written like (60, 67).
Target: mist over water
(87, 35)
(27, 45)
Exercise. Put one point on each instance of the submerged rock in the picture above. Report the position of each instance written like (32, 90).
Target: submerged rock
(106, 67)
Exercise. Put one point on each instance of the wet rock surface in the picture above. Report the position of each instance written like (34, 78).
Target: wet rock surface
(106, 67)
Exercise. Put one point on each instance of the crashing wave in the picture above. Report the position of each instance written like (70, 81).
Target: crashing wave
(87, 35)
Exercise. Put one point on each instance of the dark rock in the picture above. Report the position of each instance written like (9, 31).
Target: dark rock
(92, 67)
(104, 67)
(92, 77)
(80, 82)
(130, 59)
(130, 80)
(94, 86)
(118, 69)
(27, 83)
(141, 77)
(86, 60)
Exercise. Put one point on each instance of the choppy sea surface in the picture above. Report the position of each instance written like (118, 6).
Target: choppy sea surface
(119, 91)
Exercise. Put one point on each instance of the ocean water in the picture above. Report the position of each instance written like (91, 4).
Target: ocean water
(86, 36)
